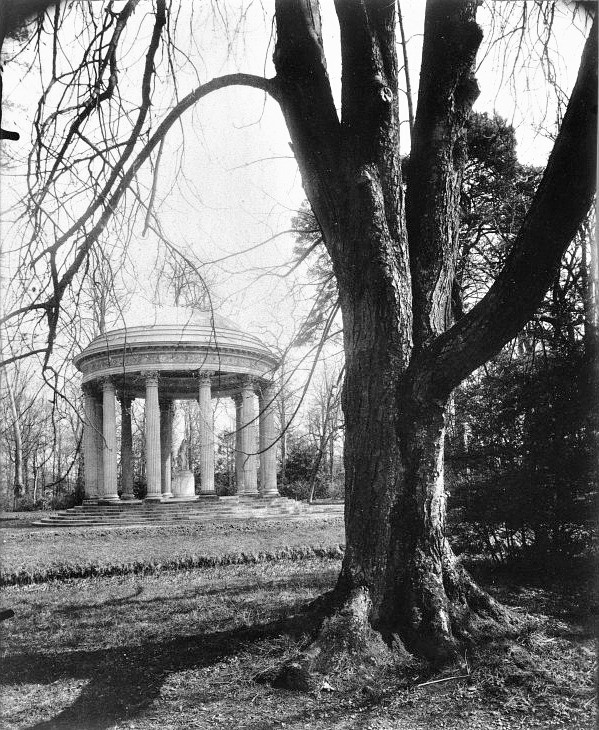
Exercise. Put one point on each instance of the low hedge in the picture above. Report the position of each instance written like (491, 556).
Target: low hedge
(148, 567)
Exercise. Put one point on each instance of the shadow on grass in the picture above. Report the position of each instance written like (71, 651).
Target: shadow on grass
(566, 591)
(76, 610)
(124, 681)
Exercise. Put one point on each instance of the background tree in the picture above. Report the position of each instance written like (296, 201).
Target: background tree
(323, 428)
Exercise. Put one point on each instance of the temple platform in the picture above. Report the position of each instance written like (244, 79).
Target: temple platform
(123, 514)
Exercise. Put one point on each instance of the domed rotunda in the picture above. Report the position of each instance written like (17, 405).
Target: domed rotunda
(180, 355)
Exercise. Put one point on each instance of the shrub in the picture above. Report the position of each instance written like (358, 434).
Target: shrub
(65, 501)
(523, 477)
(297, 489)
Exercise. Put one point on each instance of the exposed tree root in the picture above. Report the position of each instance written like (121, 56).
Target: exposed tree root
(448, 614)
(448, 617)
(346, 644)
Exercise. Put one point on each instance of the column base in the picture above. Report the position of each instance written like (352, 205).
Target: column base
(153, 498)
(90, 500)
(110, 499)
(270, 494)
(167, 495)
(129, 498)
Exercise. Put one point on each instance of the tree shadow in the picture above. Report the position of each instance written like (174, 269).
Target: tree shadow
(124, 681)
(75, 609)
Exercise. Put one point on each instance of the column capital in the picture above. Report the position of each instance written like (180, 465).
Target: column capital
(267, 390)
(248, 382)
(205, 375)
(151, 377)
(108, 384)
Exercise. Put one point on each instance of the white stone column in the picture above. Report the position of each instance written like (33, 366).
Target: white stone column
(110, 492)
(166, 445)
(206, 436)
(268, 446)
(248, 439)
(238, 453)
(126, 448)
(99, 446)
(154, 492)
(91, 433)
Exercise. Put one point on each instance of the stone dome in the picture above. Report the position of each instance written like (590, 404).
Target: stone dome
(178, 343)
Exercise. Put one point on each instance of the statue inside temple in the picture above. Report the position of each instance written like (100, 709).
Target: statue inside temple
(183, 481)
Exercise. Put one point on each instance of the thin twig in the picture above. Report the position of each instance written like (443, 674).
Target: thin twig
(443, 679)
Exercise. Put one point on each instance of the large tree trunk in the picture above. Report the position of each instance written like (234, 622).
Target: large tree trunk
(398, 566)
(399, 577)
(400, 584)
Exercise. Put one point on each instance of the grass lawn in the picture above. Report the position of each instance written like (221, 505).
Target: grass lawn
(41, 549)
(187, 650)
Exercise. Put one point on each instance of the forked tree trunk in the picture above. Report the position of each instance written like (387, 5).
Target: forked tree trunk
(400, 582)
(398, 561)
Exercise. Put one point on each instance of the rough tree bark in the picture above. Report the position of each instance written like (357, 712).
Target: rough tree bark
(395, 269)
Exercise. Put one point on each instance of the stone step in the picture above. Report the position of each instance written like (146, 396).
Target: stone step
(156, 513)
(139, 515)
(152, 513)
(159, 515)
(162, 508)
(139, 523)
(124, 513)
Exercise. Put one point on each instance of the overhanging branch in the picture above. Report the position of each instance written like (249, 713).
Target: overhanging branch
(52, 306)
(220, 82)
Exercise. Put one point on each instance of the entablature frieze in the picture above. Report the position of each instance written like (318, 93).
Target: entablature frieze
(195, 362)
(174, 383)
